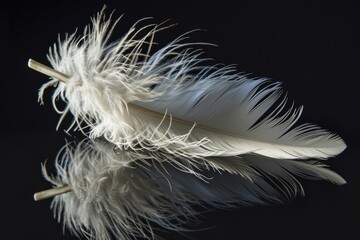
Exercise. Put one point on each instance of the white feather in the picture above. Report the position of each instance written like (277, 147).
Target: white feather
(122, 194)
(170, 101)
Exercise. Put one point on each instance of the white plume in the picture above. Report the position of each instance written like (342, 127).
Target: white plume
(169, 100)
(124, 194)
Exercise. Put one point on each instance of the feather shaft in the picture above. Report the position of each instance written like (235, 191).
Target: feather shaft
(51, 192)
(47, 70)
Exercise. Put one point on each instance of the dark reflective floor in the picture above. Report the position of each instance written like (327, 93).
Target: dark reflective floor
(313, 48)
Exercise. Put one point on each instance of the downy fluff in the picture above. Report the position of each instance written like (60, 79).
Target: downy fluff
(170, 100)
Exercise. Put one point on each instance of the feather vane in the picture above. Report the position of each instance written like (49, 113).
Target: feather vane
(169, 100)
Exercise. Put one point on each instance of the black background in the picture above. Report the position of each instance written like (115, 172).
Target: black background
(312, 47)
